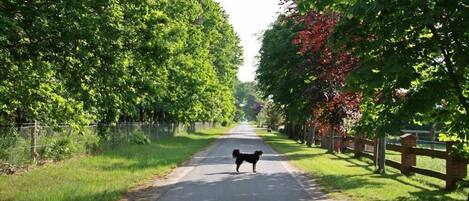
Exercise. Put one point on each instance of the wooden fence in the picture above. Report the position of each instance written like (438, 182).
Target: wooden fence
(456, 168)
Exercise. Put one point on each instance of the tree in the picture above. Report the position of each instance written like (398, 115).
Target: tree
(248, 100)
(279, 74)
(330, 104)
(303, 73)
(413, 65)
(270, 115)
(80, 62)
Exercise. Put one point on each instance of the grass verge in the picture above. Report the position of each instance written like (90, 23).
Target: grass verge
(346, 178)
(106, 176)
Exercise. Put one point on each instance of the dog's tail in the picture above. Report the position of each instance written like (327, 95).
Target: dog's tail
(235, 153)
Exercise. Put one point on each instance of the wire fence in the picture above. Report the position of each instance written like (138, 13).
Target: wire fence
(55, 143)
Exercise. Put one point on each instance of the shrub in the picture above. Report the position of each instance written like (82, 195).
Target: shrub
(139, 138)
(13, 148)
(225, 123)
(63, 146)
(57, 149)
(86, 142)
(6, 144)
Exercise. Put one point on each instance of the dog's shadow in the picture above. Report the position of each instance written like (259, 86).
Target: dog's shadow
(227, 173)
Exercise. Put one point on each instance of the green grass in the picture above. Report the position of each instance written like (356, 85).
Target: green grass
(344, 177)
(105, 176)
(435, 164)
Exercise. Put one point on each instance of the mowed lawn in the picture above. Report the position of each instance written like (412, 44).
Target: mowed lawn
(106, 176)
(343, 177)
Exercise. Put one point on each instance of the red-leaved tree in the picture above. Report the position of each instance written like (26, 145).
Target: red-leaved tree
(330, 103)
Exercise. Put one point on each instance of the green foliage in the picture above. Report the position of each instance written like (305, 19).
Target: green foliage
(419, 52)
(413, 62)
(270, 115)
(64, 146)
(57, 149)
(13, 149)
(279, 73)
(139, 138)
(225, 123)
(248, 102)
(86, 61)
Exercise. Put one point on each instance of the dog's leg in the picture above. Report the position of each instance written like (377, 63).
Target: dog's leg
(254, 167)
(238, 163)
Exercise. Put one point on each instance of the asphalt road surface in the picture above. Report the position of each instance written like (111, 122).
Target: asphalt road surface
(213, 176)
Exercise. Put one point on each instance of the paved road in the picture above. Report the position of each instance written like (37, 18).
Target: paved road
(213, 176)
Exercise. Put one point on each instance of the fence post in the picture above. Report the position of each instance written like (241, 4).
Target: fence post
(408, 159)
(127, 132)
(331, 141)
(338, 142)
(34, 141)
(358, 145)
(324, 141)
(455, 169)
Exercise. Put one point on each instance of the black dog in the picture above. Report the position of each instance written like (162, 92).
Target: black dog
(251, 158)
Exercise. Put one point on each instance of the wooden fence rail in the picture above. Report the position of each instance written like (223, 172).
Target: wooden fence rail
(456, 168)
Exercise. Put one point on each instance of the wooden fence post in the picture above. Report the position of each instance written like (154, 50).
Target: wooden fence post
(324, 141)
(34, 141)
(331, 140)
(358, 144)
(317, 141)
(408, 159)
(338, 142)
(455, 169)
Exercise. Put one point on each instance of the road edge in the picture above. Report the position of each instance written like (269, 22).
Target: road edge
(306, 181)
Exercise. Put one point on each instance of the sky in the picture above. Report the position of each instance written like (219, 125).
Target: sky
(249, 18)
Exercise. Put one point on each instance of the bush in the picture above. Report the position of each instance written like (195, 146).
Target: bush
(225, 123)
(86, 142)
(57, 149)
(139, 138)
(66, 145)
(13, 149)
(6, 144)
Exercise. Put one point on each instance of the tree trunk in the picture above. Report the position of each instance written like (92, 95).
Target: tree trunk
(432, 136)
(382, 155)
(310, 138)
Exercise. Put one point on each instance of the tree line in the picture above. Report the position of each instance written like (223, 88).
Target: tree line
(82, 62)
(248, 101)
(370, 67)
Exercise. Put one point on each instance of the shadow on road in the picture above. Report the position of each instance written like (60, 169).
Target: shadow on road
(239, 186)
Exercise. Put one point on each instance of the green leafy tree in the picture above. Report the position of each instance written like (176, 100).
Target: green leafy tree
(79, 62)
(248, 100)
(413, 62)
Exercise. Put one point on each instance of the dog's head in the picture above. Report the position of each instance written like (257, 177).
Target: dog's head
(258, 153)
